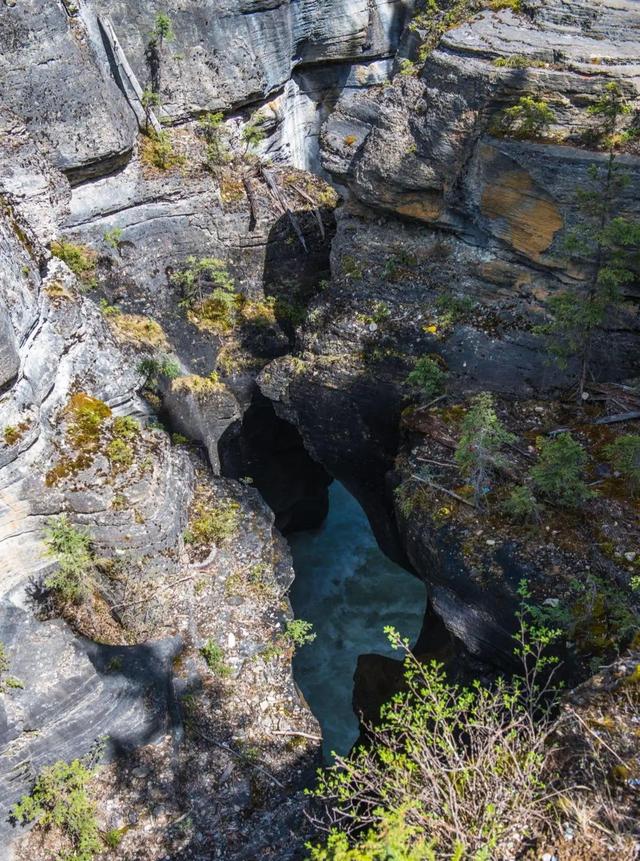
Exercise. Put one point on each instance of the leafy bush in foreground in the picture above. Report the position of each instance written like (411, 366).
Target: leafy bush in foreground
(450, 772)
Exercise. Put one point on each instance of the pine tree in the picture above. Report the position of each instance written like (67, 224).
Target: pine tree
(479, 450)
(606, 245)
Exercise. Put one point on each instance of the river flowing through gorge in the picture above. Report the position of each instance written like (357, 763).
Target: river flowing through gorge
(349, 590)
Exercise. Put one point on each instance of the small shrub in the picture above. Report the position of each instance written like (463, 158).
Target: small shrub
(522, 506)
(214, 658)
(152, 369)
(71, 548)
(60, 800)
(112, 237)
(157, 151)
(624, 455)
(479, 450)
(13, 433)
(80, 259)
(253, 133)
(86, 416)
(299, 633)
(109, 310)
(529, 118)
(162, 28)
(212, 129)
(450, 772)
(428, 377)
(351, 267)
(407, 67)
(208, 293)
(558, 475)
(213, 525)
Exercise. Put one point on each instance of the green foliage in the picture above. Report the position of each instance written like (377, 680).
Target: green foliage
(516, 61)
(528, 118)
(608, 110)
(514, 5)
(112, 237)
(213, 525)
(428, 377)
(60, 800)
(162, 29)
(71, 548)
(479, 450)
(351, 267)
(120, 453)
(158, 151)
(125, 427)
(624, 455)
(522, 506)
(450, 772)
(407, 67)
(152, 369)
(392, 839)
(559, 473)
(433, 18)
(298, 632)
(109, 310)
(214, 657)
(604, 244)
(212, 129)
(149, 100)
(452, 308)
(80, 259)
(7, 681)
(208, 292)
(113, 837)
(253, 133)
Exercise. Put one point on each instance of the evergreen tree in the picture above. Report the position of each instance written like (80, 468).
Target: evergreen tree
(478, 453)
(605, 245)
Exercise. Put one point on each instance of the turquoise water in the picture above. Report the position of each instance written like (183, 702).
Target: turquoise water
(349, 590)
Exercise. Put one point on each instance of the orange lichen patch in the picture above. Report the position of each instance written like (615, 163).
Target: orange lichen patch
(426, 206)
(525, 215)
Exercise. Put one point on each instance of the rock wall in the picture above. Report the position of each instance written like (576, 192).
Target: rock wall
(450, 244)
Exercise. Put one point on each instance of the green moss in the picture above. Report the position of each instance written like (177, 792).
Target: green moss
(157, 151)
(138, 329)
(210, 525)
(214, 657)
(86, 416)
(120, 453)
(14, 433)
(125, 427)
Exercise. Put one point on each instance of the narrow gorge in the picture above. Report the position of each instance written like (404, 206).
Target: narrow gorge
(319, 318)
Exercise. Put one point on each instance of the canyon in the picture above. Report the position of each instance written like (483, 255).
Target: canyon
(365, 210)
